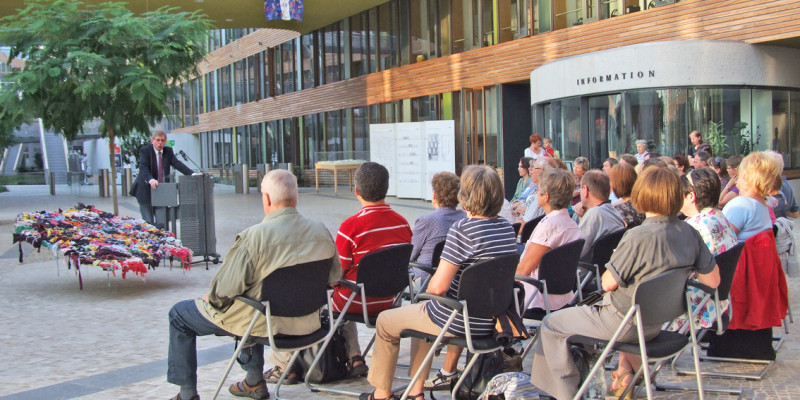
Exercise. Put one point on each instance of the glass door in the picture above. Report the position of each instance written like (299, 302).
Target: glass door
(472, 123)
(605, 113)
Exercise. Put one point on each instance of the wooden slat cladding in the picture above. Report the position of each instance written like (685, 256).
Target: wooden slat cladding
(245, 47)
(748, 21)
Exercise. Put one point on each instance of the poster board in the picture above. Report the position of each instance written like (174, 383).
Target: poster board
(410, 159)
(413, 152)
(440, 143)
(383, 151)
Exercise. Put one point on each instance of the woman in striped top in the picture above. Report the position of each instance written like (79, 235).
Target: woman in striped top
(480, 236)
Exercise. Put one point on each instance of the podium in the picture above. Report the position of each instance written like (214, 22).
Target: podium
(165, 197)
(198, 231)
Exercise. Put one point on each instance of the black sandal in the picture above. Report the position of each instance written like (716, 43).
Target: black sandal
(357, 370)
(371, 396)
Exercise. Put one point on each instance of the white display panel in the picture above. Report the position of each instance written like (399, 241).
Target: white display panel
(440, 153)
(410, 159)
(413, 152)
(383, 151)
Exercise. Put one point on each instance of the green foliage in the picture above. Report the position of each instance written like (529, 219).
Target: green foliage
(3, 189)
(741, 138)
(717, 138)
(87, 61)
(131, 144)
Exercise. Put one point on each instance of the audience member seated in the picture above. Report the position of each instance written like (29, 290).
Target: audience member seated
(374, 227)
(758, 293)
(730, 190)
(524, 182)
(283, 239)
(579, 167)
(701, 189)
(598, 216)
(530, 209)
(608, 163)
(479, 236)
(555, 229)
(629, 159)
(661, 243)
(682, 163)
(622, 177)
(432, 228)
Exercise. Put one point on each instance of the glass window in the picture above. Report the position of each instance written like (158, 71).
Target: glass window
(561, 120)
(199, 97)
(287, 65)
(333, 53)
(255, 145)
(272, 142)
(360, 130)
(567, 13)
(387, 35)
(186, 98)
(487, 22)
(717, 114)
(789, 144)
(268, 66)
(240, 82)
(359, 50)
(492, 107)
(605, 128)
(770, 120)
(287, 153)
(307, 54)
(372, 35)
(225, 87)
(254, 84)
(444, 43)
(333, 131)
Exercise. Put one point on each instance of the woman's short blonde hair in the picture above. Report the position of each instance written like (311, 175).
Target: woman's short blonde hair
(758, 171)
(559, 184)
(481, 191)
(659, 191)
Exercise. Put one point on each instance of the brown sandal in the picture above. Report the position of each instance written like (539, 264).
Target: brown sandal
(178, 397)
(257, 391)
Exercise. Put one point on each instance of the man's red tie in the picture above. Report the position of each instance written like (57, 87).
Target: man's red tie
(160, 169)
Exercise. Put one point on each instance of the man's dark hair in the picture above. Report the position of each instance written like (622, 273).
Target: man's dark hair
(598, 183)
(372, 181)
(704, 156)
(630, 159)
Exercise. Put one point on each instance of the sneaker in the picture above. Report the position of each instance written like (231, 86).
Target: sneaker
(273, 374)
(441, 381)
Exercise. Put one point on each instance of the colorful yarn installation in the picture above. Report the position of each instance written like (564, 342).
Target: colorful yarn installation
(93, 237)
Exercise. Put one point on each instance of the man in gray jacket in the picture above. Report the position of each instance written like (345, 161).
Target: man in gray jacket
(283, 239)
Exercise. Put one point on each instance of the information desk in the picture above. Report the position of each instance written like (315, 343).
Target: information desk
(336, 166)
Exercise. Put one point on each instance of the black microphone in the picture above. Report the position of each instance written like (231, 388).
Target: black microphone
(185, 158)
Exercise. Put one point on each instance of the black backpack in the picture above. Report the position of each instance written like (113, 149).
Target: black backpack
(486, 367)
(331, 367)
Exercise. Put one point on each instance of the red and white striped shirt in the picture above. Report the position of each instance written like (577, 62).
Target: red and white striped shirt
(372, 228)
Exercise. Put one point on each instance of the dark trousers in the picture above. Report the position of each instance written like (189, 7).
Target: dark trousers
(186, 323)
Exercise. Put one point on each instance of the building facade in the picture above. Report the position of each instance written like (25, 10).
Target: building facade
(272, 96)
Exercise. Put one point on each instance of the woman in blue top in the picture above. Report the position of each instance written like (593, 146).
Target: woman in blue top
(480, 236)
(748, 212)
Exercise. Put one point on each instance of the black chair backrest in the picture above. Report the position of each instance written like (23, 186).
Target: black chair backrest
(516, 226)
(527, 229)
(297, 290)
(558, 266)
(488, 286)
(727, 262)
(437, 254)
(604, 247)
(384, 272)
(662, 298)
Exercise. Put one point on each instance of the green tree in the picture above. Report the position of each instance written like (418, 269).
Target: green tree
(86, 62)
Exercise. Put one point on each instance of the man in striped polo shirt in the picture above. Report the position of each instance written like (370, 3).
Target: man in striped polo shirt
(374, 227)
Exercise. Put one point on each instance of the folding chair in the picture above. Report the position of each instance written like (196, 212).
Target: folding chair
(526, 231)
(381, 273)
(727, 263)
(485, 290)
(602, 249)
(287, 292)
(656, 301)
(558, 274)
(727, 267)
(429, 269)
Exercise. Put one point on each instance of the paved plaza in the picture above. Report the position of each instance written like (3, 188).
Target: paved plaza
(109, 341)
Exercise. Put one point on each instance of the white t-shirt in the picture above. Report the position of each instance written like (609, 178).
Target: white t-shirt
(531, 154)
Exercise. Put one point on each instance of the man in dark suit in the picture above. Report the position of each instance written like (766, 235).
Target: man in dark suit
(155, 160)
